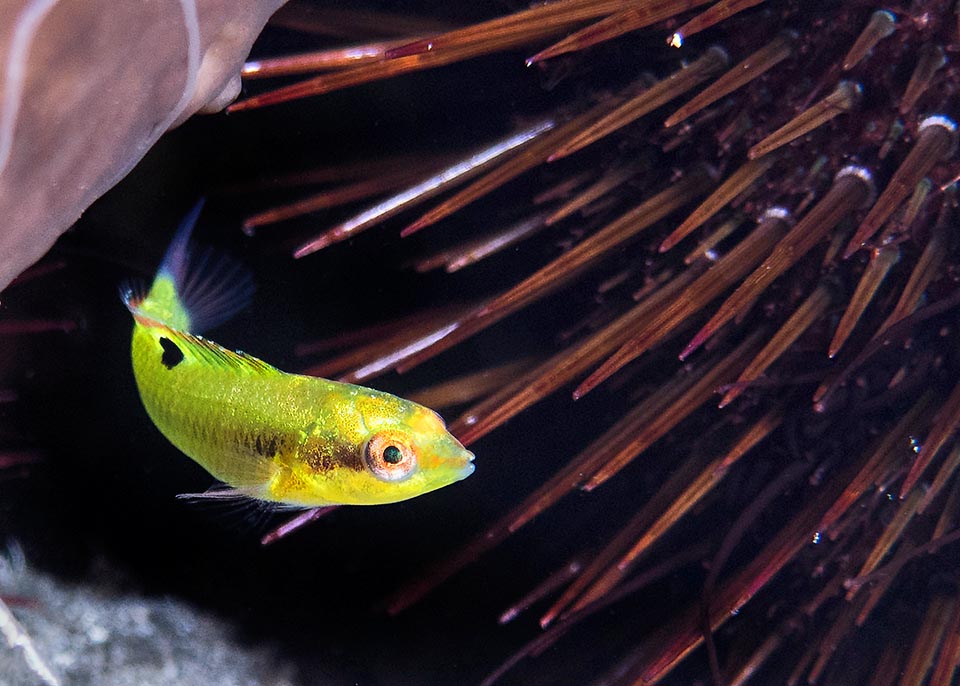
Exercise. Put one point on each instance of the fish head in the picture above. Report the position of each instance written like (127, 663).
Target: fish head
(387, 449)
(406, 450)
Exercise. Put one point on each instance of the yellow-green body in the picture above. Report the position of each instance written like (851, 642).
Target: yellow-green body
(280, 437)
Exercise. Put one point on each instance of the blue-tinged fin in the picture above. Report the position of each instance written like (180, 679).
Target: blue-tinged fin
(195, 288)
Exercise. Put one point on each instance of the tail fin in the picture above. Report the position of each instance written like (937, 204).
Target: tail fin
(194, 289)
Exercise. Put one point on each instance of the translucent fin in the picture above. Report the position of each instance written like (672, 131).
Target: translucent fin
(237, 508)
(176, 261)
(223, 493)
(132, 293)
(185, 347)
(227, 494)
(194, 289)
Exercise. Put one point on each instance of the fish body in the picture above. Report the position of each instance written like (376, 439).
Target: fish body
(267, 434)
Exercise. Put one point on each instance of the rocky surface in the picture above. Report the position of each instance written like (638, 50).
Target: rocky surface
(98, 635)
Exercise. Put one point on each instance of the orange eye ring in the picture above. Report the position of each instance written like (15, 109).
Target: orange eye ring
(389, 456)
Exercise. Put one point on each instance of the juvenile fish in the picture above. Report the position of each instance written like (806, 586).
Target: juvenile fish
(266, 434)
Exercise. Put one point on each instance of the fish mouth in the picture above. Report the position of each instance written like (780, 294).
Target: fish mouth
(468, 466)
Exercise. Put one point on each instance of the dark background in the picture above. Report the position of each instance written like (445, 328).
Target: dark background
(105, 490)
(103, 497)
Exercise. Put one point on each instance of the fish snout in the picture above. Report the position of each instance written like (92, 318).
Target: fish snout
(466, 461)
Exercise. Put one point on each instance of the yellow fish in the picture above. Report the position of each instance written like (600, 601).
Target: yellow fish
(277, 437)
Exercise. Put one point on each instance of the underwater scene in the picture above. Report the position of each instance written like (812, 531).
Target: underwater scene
(601, 342)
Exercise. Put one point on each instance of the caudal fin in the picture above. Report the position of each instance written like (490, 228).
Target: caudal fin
(194, 289)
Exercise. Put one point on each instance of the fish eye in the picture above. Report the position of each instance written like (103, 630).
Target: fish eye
(392, 454)
(389, 456)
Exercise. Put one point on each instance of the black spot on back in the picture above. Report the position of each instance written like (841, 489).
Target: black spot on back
(172, 355)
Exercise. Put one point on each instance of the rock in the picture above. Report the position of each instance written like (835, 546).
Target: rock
(97, 635)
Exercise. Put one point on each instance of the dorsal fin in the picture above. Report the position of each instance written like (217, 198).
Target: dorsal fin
(200, 350)
(194, 289)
